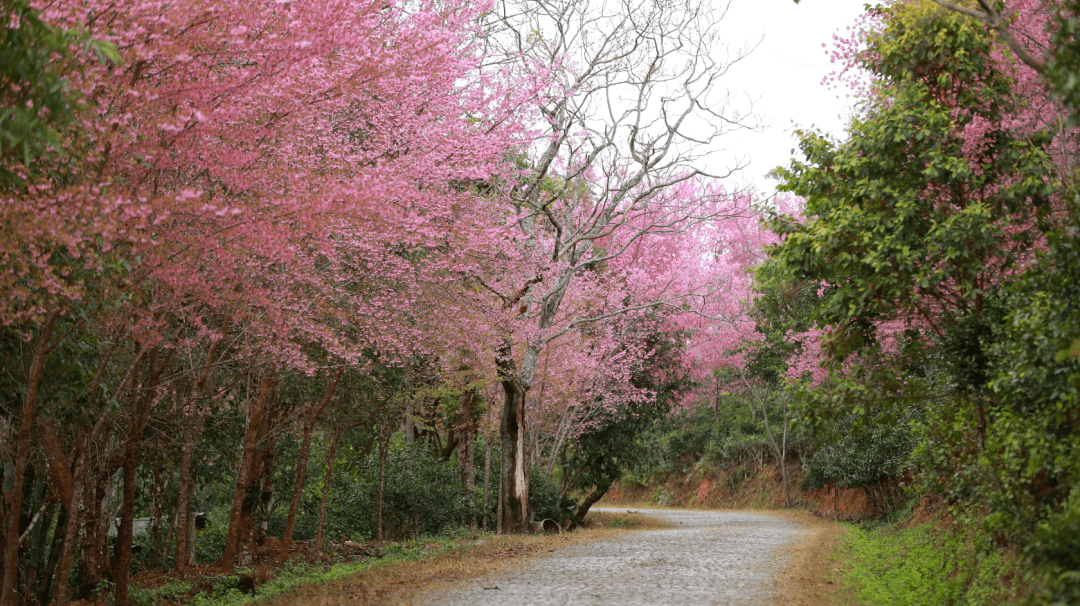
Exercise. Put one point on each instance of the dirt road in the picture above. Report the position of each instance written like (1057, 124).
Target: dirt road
(707, 557)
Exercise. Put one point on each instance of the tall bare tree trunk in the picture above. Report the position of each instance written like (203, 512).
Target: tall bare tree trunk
(142, 401)
(326, 488)
(487, 482)
(245, 479)
(192, 427)
(514, 470)
(467, 432)
(301, 465)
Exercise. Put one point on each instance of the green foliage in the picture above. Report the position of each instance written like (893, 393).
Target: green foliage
(1063, 71)
(921, 565)
(224, 590)
(1056, 547)
(544, 499)
(35, 101)
(783, 306)
(860, 459)
(422, 496)
(35, 97)
(903, 191)
(603, 453)
(164, 594)
(210, 542)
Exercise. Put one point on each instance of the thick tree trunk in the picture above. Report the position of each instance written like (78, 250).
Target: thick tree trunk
(246, 476)
(326, 488)
(13, 498)
(514, 471)
(301, 465)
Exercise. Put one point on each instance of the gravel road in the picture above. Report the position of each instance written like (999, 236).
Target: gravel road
(710, 557)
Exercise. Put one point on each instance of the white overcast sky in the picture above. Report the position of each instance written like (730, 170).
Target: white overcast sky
(783, 75)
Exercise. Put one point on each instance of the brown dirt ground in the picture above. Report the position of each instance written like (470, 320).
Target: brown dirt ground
(813, 575)
(722, 489)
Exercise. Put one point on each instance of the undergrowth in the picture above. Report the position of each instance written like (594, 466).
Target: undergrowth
(225, 590)
(932, 564)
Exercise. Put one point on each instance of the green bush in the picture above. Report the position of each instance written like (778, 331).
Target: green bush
(545, 500)
(422, 495)
(210, 542)
(860, 459)
(1056, 549)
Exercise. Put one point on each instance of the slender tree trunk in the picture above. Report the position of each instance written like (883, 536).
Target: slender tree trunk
(170, 527)
(83, 440)
(245, 479)
(487, 482)
(716, 403)
(301, 465)
(192, 425)
(410, 425)
(186, 486)
(189, 532)
(45, 582)
(598, 493)
(384, 449)
(780, 452)
(13, 499)
(326, 488)
(124, 534)
(140, 416)
(466, 432)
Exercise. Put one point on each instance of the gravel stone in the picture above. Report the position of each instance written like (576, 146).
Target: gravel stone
(710, 557)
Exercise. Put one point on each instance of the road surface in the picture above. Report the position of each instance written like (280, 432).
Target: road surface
(708, 557)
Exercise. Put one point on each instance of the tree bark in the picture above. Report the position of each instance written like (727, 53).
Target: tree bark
(140, 416)
(326, 488)
(301, 465)
(245, 479)
(466, 432)
(13, 499)
(598, 493)
(83, 440)
(192, 427)
(487, 482)
(384, 449)
(513, 472)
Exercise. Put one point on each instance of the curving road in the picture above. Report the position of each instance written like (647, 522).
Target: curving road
(709, 557)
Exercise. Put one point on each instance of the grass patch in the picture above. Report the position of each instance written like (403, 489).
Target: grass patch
(931, 564)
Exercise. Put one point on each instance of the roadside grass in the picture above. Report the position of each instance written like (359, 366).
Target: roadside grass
(404, 569)
(930, 563)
